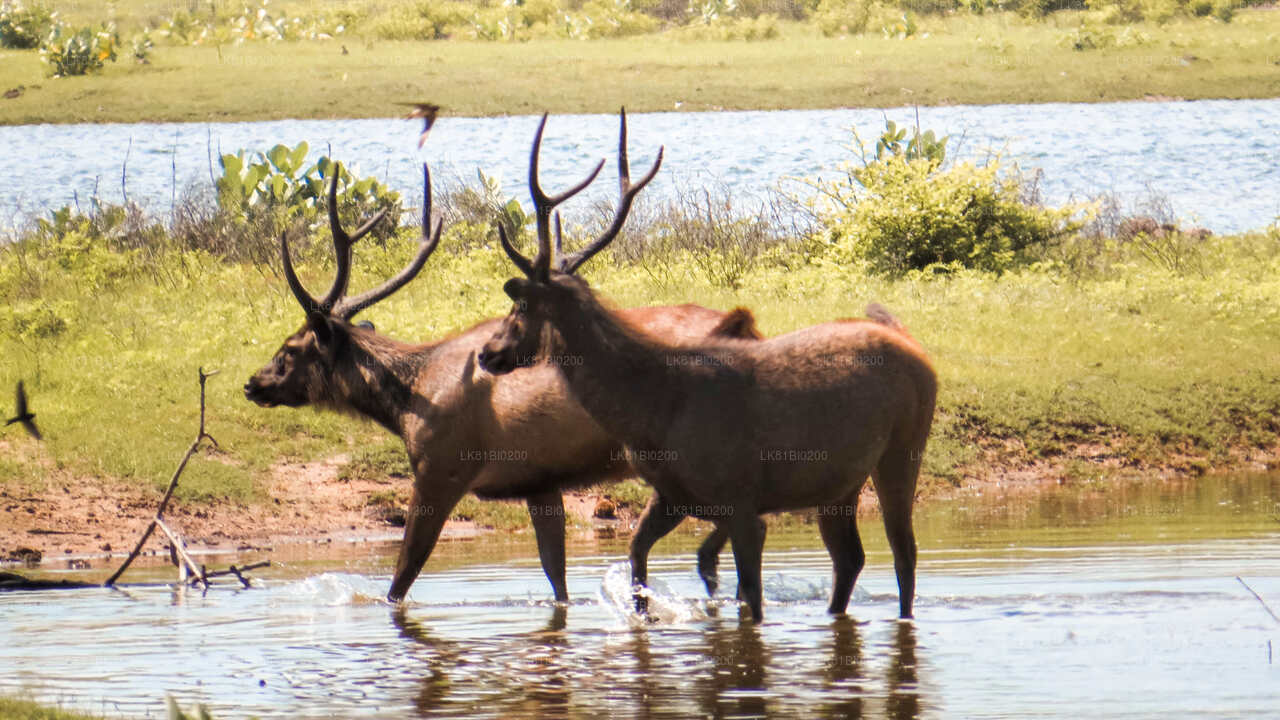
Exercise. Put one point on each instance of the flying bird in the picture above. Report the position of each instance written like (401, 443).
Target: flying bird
(25, 416)
(426, 111)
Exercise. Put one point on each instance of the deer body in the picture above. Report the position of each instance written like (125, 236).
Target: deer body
(465, 430)
(726, 429)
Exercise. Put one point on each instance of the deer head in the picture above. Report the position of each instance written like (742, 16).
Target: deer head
(303, 367)
(543, 288)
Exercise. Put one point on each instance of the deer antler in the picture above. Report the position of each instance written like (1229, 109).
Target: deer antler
(334, 303)
(539, 269)
(626, 195)
(342, 242)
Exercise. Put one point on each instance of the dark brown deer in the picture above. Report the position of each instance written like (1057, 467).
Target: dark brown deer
(726, 429)
(465, 430)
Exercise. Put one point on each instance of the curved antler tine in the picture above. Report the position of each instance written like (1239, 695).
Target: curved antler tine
(624, 165)
(544, 204)
(426, 198)
(519, 260)
(341, 244)
(535, 188)
(305, 299)
(368, 225)
(559, 236)
(579, 187)
(342, 241)
(541, 200)
(626, 195)
(348, 307)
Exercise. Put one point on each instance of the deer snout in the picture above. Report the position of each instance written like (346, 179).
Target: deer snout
(253, 392)
(496, 361)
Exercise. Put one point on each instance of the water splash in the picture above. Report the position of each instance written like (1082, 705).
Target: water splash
(332, 590)
(666, 606)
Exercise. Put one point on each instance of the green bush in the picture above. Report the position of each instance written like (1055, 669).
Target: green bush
(275, 181)
(843, 17)
(80, 52)
(23, 28)
(901, 211)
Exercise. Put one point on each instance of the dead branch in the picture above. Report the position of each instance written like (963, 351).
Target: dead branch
(201, 436)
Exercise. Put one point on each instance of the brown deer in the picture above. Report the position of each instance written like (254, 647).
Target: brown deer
(465, 430)
(727, 429)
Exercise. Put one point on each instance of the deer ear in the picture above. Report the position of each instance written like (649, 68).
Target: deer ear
(322, 326)
(516, 288)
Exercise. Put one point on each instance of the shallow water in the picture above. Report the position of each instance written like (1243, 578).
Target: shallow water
(1217, 161)
(1118, 602)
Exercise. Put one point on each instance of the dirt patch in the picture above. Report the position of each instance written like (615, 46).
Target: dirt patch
(78, 517)
(74, 517)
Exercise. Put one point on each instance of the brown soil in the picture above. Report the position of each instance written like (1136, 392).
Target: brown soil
(78, 517)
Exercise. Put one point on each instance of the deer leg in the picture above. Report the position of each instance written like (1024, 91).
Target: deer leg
(746, 532)
(764, 529)
(659, 518)
(422, 528)
(838, 525)
(895, 483)
(546, 510)
(709, 558)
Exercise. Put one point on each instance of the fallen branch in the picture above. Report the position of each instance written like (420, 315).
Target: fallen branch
(239, 571)
(182, 558)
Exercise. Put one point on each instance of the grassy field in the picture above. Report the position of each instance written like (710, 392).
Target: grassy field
(994, 58)
(1135, 367)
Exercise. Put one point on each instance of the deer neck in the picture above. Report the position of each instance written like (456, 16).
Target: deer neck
(622, 378)
(378, 377)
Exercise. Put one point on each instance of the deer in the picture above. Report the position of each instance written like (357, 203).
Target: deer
(727, 429)
(465, 430)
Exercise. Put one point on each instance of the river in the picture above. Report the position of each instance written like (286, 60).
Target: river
(1114, 601)
(1216, 162)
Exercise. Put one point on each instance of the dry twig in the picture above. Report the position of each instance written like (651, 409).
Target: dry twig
(187, 563)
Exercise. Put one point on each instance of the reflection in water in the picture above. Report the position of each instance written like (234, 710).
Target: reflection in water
(545, 670)
(843, 676)
(904, 701)
(1129, 595)
(443, 654)
(736, 685)
(715, 669)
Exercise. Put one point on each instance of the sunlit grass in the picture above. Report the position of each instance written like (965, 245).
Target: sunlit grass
(1158, 362)
(994, 58)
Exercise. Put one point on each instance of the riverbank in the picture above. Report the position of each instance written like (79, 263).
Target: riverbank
(991, 58)
(1130, 365)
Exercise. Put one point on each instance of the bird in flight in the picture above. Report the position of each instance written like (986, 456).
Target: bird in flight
(426, 111)
(25, 416)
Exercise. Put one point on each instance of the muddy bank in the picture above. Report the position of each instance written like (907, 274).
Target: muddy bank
(76, 518)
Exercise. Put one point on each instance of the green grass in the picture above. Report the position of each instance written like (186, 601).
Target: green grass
(961, 58)
(1154, 362)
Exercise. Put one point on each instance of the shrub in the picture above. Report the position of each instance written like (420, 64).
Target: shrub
(426, 20)
(81, 52)
(843, 17)
(275, 181)
(900, 212)
(23, 28)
